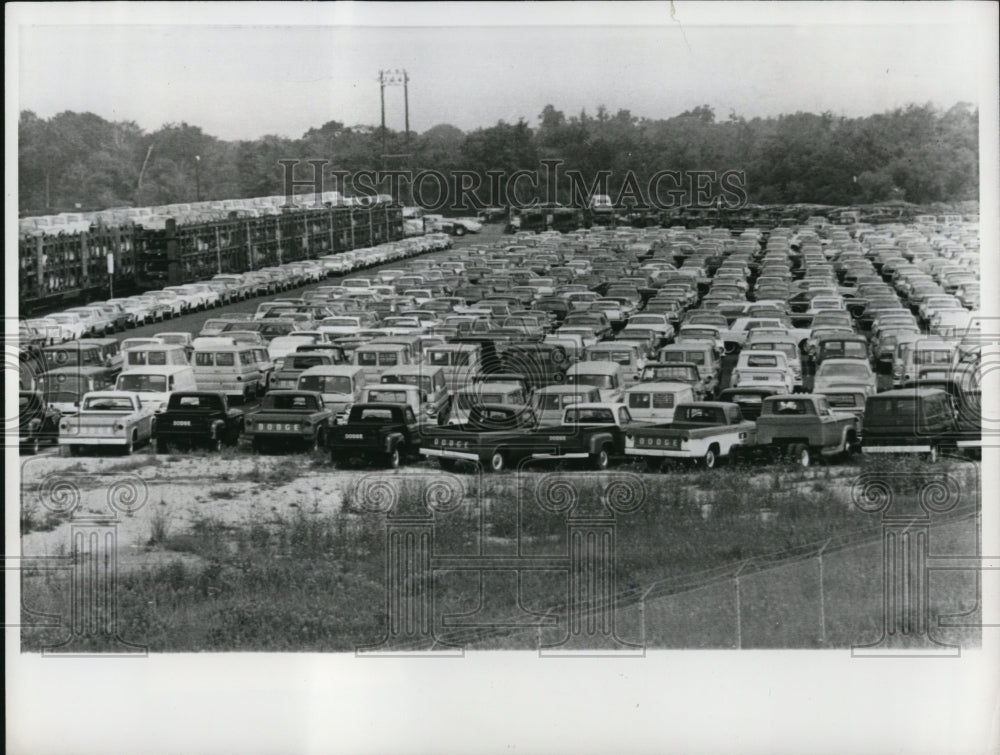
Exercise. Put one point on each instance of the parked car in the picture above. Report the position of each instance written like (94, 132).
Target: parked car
(834, 374)
(38, 423)
(198, 418)
(387, 433)
(704, 432)
(289, 417)
(909, 420)
(108, 418)
(803, 426)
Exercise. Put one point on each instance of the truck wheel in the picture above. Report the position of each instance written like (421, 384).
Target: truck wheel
(931, 456)
(74, 450)
(497, 462)
(600, 460)
(459, 230)
(257, 445)
(801, 454)
(709, 460)
(162, 446)
(216, 444)
(653, 464)
(319, 441)
(130, 446)
(33, 446)
(392, 459)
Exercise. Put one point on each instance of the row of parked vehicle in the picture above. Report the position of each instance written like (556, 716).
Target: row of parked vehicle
(580, 345)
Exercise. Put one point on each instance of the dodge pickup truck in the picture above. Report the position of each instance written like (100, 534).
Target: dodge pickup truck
(197, 418)
(803, 426)
(108, 418)
(497, 437)
(705, 432)
(287, 417)
(381, 432)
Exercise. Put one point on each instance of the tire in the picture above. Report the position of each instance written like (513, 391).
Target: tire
(600, 460)
(130, 446)
(34, 446)
(162, 446)
(654, 464)
(801, 454)
(497, 462)
(257, 445)
(710, 460)
(459, 230)
(216, 444)
(319, 440)
(931, 456)
(75, 450)
(392, 459)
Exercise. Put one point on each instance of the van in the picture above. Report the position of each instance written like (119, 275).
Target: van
(156, 383)
(628, 355)
(400, 393)
(703, 355)
(549, 402)
(340, 385)
(374, 358)
(655, 402)
(155, 355)
(927, 354)
(63, 387)
(230, 369)
(460, 361)
(287, 378)
(607, 377)
(435, 398)
(281, 346)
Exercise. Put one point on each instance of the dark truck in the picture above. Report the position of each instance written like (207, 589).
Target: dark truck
(383, 433)
(500, 436)
(290, 417)
(197, 418)
(38, 423)
(803, 426)
(704, 432)
(916, 421)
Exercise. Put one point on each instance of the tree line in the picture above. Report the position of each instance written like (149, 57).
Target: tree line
(919, 154)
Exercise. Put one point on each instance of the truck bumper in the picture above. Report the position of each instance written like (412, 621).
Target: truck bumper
(92, 441)
(896, 449)
(666, 453)
(443, 453)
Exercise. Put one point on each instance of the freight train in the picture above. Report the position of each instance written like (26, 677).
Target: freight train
(74, 258)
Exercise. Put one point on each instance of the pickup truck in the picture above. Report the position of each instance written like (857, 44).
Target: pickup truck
(198, 418)
(38, 423)
(386, 433)
(108, 418)
(704, 432)
(499, 436)
(287, 417)
(803, 426)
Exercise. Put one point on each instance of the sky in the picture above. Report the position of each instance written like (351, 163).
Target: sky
(241, 82)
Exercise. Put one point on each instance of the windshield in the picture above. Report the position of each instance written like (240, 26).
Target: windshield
(381, 396)
(67, 357)
(290, 403)
(590, 415)
(424, 381)
(927, 356)
(556, 401)
(598, 381)
(850, 370)
(326, 384)
(762, 361)
(686, 374)
(62, 388)
(142, 383)
(108, 404)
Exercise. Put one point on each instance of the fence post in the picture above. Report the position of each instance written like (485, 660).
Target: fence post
(739, 616)
(822, 594)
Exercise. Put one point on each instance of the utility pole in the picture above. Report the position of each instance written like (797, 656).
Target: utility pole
(197, 176)
(395, 77)
(381, 85)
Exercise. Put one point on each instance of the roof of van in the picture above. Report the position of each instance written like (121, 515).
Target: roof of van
(659, 385)
(159, 369)
(592, 366)
(336, 370)
(909, 393)
(565, 389)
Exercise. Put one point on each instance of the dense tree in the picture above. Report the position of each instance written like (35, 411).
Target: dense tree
(918, 153)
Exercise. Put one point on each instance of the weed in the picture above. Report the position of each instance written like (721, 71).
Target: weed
(224, 494)
(159, 525)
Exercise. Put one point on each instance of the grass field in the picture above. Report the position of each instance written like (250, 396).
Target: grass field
(316, 581)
